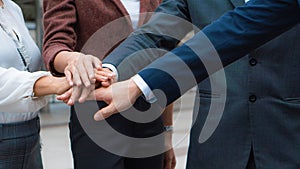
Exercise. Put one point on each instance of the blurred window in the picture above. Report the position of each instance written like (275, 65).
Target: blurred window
(29, 9)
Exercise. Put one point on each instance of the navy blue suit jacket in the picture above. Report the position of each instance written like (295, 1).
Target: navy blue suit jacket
(233, 35)
(230, 37)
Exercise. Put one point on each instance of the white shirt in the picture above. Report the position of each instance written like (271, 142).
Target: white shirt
(16, 88)
(133, 9)
(16, 85)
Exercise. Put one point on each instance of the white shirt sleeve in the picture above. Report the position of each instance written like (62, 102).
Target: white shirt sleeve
(16, 88)
(112, 68)
(143, 86)
(139, 81)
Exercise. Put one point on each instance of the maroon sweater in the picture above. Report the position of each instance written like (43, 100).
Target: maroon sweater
(71, 25)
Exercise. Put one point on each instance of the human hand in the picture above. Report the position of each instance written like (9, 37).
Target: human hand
(79, 72)
(80, 68)
(169, 156)
(119, 96)
(104, 77)
(65, 96)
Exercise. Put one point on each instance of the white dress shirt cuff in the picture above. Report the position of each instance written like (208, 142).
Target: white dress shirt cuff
(112, 68)
(143, 86)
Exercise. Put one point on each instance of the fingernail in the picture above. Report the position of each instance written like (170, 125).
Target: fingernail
(70, 102)
(81, 100)
(98, 117)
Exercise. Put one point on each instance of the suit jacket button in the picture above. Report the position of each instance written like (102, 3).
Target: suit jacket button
(253, 62)
(252, 98)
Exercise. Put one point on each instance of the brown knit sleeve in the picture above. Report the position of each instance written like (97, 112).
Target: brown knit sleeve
(59, 34)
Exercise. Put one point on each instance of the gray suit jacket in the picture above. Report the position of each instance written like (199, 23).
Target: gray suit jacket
(262, 105)
(263, 95)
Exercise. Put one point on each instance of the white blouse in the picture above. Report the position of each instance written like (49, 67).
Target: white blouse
(18, 53)
(16, 88)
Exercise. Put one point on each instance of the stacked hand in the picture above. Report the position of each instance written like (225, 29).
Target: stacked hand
(91, 81)
(120, 96)
(104, 77)
(79, 70)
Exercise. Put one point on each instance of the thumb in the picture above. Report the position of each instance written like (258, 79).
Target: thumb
(65, 95)
(105, 112)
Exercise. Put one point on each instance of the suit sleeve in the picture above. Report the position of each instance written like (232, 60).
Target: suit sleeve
(232, 36)
(152, 40)
(59, 34)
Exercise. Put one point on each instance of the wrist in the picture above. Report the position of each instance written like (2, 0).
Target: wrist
(59, 85)
(134, 89)
(144, 88)
(70, 56)
(52, 86)
(62, 60)
(168, 134)
(43, 87)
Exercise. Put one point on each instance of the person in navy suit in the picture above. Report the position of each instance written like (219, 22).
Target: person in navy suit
(264, 136)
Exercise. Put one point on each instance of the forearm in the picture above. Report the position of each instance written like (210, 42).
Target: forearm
(59, 34)
(152, 40)
(250, 26)
(167, 115)
(241, 30)
(47, 85)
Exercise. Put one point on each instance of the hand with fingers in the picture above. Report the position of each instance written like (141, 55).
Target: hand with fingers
(104, 78)
(169, 159)
(119, 96)
(169, 156)
(79, 71)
